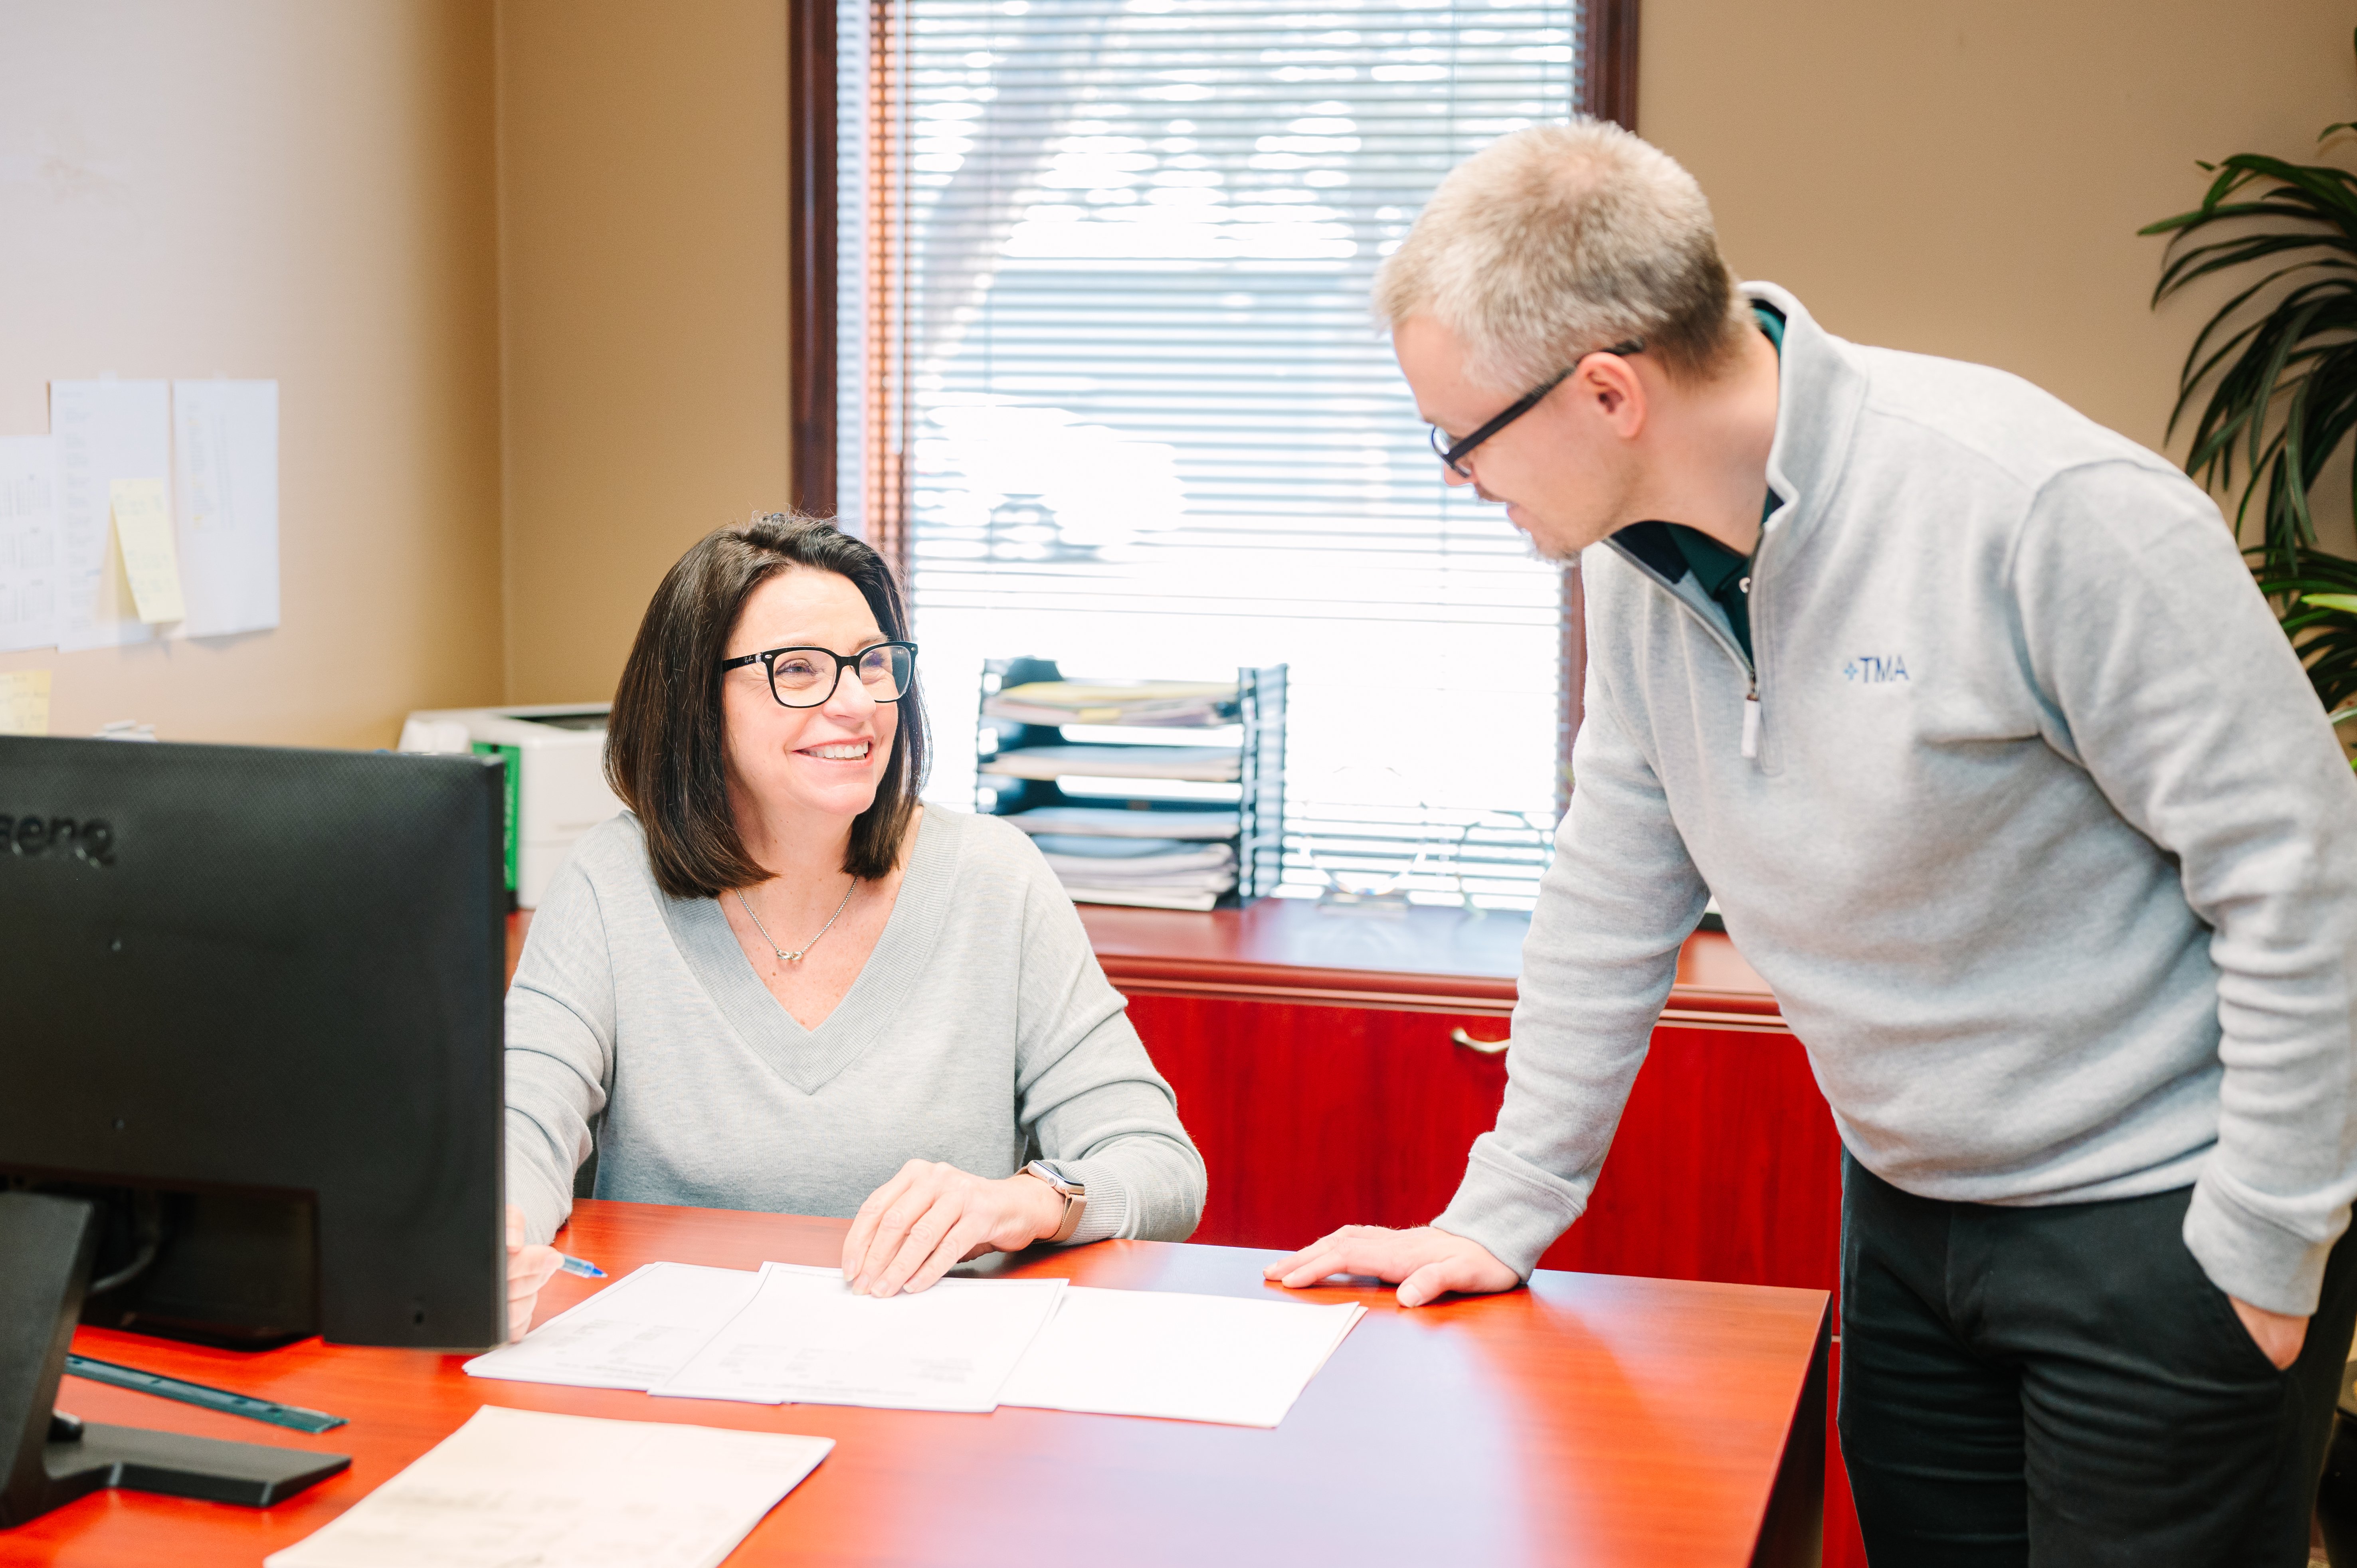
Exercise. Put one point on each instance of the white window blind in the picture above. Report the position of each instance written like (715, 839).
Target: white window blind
(1105, 356)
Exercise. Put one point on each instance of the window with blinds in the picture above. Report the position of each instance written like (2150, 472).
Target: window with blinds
(1109, 383)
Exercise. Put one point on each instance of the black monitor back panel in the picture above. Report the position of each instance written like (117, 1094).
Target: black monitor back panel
(257, 982)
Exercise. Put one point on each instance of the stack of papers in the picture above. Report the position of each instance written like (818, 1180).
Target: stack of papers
(521, 1486)
(1110, 870)
(1203, 764)
(792, 1333)
(1121, 822)
(1180, 704)
(1160, 860)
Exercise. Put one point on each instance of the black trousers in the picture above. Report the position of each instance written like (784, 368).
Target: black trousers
(2065, 1386)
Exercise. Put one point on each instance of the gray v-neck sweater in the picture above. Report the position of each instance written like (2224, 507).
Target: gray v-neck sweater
(981, 1033)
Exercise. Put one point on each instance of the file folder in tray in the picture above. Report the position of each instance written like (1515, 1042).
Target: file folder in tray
(1124, 817)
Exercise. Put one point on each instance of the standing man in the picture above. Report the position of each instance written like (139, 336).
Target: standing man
(2006, 780)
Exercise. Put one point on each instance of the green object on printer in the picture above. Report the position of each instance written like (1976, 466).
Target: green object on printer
(514, 758)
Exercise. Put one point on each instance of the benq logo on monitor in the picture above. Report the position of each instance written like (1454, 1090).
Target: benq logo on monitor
(90, 841)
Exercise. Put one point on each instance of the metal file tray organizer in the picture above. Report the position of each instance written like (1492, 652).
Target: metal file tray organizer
(1023, 766)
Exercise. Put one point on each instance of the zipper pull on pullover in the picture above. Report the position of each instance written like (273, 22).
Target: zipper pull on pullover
(1751, 723)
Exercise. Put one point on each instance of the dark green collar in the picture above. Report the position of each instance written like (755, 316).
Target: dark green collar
(1716, 570)
(1714, 565)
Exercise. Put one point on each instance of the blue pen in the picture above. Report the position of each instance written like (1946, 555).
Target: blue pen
(580, 1267)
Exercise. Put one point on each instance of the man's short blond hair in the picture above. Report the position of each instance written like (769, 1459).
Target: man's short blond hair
(1558, 241)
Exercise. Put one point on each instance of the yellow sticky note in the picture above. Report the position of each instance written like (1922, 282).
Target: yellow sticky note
(142, 528)
(24, 702)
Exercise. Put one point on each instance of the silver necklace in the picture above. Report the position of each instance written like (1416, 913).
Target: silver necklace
(796, 956)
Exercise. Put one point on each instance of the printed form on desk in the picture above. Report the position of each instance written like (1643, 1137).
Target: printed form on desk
(633, 1334)
(792, 1333)
(806, 1338)
(567, 1491)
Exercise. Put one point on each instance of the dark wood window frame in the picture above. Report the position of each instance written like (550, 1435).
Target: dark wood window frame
(1609, 89)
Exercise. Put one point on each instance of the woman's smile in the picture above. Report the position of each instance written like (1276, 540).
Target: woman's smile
(838, 750)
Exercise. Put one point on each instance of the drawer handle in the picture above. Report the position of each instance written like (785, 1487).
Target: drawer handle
(1486, 1048)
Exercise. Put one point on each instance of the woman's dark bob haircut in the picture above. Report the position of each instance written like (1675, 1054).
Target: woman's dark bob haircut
(665, 753)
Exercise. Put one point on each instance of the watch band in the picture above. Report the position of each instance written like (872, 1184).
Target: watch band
(1074, 1194)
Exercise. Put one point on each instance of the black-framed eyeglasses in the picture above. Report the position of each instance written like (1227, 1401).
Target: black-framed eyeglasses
(807, 677)
(1455, 456)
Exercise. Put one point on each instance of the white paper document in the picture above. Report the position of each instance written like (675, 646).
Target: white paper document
(1185, 1358)
(1118, 821)
(805, 1338)
(1215, 764)
(225, 494)
(633, 1334)
(29, 542)
(104, 431)
(792, 1333)
(567, 1491)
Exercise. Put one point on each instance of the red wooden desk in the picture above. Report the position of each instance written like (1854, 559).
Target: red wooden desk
(1319, 1066)
(1329, 1068)
(1588, 1420)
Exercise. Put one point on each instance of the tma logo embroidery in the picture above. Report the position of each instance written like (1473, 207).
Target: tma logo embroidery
(1875, 669)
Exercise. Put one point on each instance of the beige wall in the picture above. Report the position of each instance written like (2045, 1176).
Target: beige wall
(1967, 177)
(526, 357)
(276, 188)
(642, 290)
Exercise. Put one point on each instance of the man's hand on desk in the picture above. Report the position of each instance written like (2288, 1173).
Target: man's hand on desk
(1423, 1262)
(529, 1268)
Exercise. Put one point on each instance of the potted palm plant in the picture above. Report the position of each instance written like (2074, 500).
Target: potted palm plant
(2273, 371)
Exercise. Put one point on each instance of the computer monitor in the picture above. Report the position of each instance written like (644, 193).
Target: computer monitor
(251, 1005)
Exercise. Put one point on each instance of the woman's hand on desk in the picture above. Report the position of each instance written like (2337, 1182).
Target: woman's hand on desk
(529, 1268)
(1423, 1262)
(932, 1217)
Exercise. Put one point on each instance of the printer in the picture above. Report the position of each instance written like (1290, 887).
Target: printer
(556, 755)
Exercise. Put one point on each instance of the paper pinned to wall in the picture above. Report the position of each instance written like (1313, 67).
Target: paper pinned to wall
(143, 533)
(104, 431)
(24, 702)
(29, 542)
(225, 497)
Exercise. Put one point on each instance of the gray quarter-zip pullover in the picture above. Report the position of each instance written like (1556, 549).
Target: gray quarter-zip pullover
(2035, 828)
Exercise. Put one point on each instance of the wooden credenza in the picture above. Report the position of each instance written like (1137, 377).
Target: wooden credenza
(1324, 1094)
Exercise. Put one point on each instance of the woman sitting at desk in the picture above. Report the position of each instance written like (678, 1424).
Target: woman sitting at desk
(785, 985)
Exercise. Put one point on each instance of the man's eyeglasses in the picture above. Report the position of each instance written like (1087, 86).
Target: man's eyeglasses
(807, 677)
(1455, 456)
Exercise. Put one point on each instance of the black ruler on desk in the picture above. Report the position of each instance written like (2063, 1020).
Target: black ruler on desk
(162, 1387)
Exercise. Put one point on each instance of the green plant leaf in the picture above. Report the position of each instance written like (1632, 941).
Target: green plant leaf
(2269, 382)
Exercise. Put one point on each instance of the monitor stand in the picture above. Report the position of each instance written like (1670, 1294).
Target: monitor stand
(49, 1458)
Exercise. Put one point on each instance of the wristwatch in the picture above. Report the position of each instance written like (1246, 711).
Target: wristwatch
(1074, 1194)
